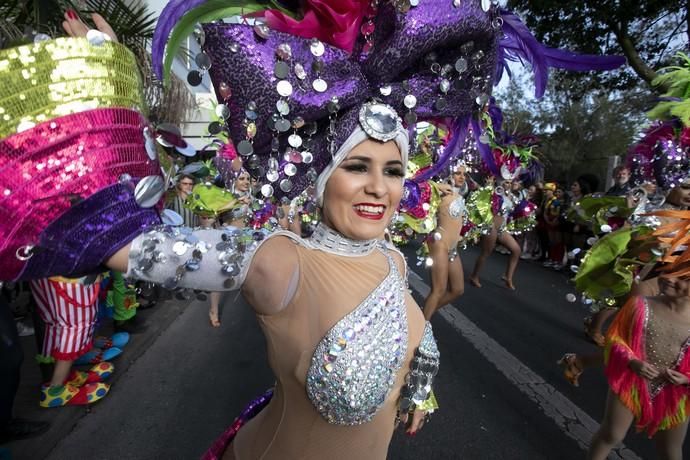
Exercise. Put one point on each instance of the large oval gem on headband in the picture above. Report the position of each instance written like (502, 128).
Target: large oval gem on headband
(149, 190)
(379, 121)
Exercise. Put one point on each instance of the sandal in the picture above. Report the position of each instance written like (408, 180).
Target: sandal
(509, 283)
(571, 370)
(475, 282)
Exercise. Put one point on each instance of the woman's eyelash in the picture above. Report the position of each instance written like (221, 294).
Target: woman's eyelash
(397, 172)
(356, 167)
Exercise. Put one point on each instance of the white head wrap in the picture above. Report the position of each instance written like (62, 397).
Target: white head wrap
(357, 137)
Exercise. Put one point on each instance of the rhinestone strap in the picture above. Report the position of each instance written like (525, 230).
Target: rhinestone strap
(328, 240)
(423, 369)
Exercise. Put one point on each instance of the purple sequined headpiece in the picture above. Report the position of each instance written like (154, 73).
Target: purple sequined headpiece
(662, 156)
(292, 101)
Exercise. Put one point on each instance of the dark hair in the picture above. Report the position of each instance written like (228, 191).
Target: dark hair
(186, 176)
(585, 186)
(620, 168)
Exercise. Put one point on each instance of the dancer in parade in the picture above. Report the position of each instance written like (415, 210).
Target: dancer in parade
(613, 270)
(507, 158)
(646, 363)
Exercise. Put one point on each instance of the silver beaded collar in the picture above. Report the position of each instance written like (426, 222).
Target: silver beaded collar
(328, 240)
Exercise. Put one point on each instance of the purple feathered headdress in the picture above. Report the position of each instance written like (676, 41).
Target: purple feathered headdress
(289, 100)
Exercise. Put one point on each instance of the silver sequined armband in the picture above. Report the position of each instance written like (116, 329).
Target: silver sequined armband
(204, 259)
(423, 369)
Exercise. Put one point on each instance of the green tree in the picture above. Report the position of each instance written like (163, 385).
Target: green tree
(577, 135)
(648, 33)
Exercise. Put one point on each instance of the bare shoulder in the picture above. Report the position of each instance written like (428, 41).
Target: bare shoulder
(274, 266)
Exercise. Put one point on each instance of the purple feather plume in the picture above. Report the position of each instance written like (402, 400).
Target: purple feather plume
(519, 45)
(533, 173)
(484, 149)
(450, 151)
(168, 19)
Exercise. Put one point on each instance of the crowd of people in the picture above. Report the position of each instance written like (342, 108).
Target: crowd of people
(333, 149)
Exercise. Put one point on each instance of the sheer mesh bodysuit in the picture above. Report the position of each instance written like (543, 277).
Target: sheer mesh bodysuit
(664, 343)
(329, 287)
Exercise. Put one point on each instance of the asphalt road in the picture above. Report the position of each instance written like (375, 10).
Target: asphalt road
(501, 394)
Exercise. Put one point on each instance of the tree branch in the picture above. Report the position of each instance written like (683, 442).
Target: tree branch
(630, 52)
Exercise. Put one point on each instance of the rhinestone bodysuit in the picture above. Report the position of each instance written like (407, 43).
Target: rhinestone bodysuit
(665, 345)
(354, 366)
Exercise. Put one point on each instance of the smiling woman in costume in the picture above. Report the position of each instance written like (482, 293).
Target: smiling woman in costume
(348, 345)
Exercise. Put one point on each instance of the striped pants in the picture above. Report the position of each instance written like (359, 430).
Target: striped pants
(69, 311)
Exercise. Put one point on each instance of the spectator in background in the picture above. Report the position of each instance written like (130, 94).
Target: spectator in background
(621, 178)
(552, 218)
(185, 184)
(531, 249)
(11, 357)
(575, 235)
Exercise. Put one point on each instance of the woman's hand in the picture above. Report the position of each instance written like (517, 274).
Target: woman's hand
(676, 378)
(644, 369)
(74, 27)
(415, 422)
(444, 189)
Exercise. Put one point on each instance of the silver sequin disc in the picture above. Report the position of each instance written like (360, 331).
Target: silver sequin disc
(272, 175)
(284, 88)
(245, 148)
(461, 65)
(180, 248)
(319, 85)
(262, 30)
(385, 90)
(317, 48)
(295, 140)
(283, 107)
(307, 157)
(410, 101)
(290, 169)
(282, 125)
(299, 71)
(267, 190)
(149, 190)
(281, 69)
(222, 111)
(486, 5)
(203, 61)
(286, 185)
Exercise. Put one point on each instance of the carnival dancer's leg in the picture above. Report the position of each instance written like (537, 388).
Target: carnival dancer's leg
(507, 240)
(669, 443)
(614, 426)
(487, 244)
(456, 281)
(213, 310)
(438, 251)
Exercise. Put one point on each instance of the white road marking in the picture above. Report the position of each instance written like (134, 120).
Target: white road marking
(572, 420)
